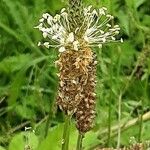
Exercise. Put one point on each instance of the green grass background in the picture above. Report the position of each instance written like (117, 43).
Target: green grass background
(28, 82)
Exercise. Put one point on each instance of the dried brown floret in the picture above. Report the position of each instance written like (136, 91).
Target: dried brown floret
(74, 74)
(86, 109)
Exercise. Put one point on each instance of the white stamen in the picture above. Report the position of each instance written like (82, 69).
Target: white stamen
(70, 37)
(86, 38)
(63, 9)
(100, 45)
(101, 11)
(96, 25)
(113, 38)
(46, 44)
(62, 49)
(121, 40)
(41, 20)
(46, 15)
(76, 45)
(108, 25)
(45, 34)
(39, 43)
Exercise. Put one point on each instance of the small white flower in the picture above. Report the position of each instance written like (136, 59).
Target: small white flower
(74, 81)
(76, 30)
(62, 49)
(108, 25)
(89, 7)
(116, 32)
(102, 11)
(110, 16)
(113, 38)
(104, 8)
(116, 26)
(63, 9)
(27, 128)
(45, 34)
(46, 44)
(55, 27)
(86, 38)
(103, 39)
(54, 37)
(62, 41)
(100, 45)
(121, 40)
(64, 14)
(56, 18)
(39, 26)
(90, 30)
(101, 31)
(46, 15)
(76, 45)
(95, 12)
(41, 20)
(70, 37)
(39, 43)
(49, 20)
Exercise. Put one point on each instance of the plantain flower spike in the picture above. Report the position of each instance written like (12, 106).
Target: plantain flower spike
(73, 32)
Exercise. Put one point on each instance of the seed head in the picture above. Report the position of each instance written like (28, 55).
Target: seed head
(74, 31)
(85, 113)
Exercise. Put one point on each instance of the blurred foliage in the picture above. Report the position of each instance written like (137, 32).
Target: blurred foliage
(28, 82)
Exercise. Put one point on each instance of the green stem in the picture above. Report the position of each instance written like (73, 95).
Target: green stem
(50, 116)
(142, 111)
(79, 142)
(109, 123)
(109, 108)
(47, 124)
(65, 142)
(119, 122)
(140, 127)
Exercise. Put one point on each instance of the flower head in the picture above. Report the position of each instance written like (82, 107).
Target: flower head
(94, 31)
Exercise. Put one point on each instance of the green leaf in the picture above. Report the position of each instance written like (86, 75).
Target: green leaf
(53, 140)
(16, 88)
(1, 148)
(130, 3)
(146, 20)
(23, 139)
(90, 140)
(124, 21)
(14, 63)
(127, 54)
(138, 3)
(17, 143)
(25, 112)
(20, 78)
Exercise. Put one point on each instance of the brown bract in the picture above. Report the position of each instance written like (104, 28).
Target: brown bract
(77, 71)
(86, 109)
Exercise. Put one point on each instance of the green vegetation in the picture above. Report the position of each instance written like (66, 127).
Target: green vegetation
(28, 81)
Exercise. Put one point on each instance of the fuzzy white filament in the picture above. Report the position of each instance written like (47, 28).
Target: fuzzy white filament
(97, 29)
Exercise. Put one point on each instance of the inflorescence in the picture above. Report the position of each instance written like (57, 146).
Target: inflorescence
(74, 33)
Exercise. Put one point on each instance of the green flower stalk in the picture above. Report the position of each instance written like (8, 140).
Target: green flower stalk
(73, 33)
